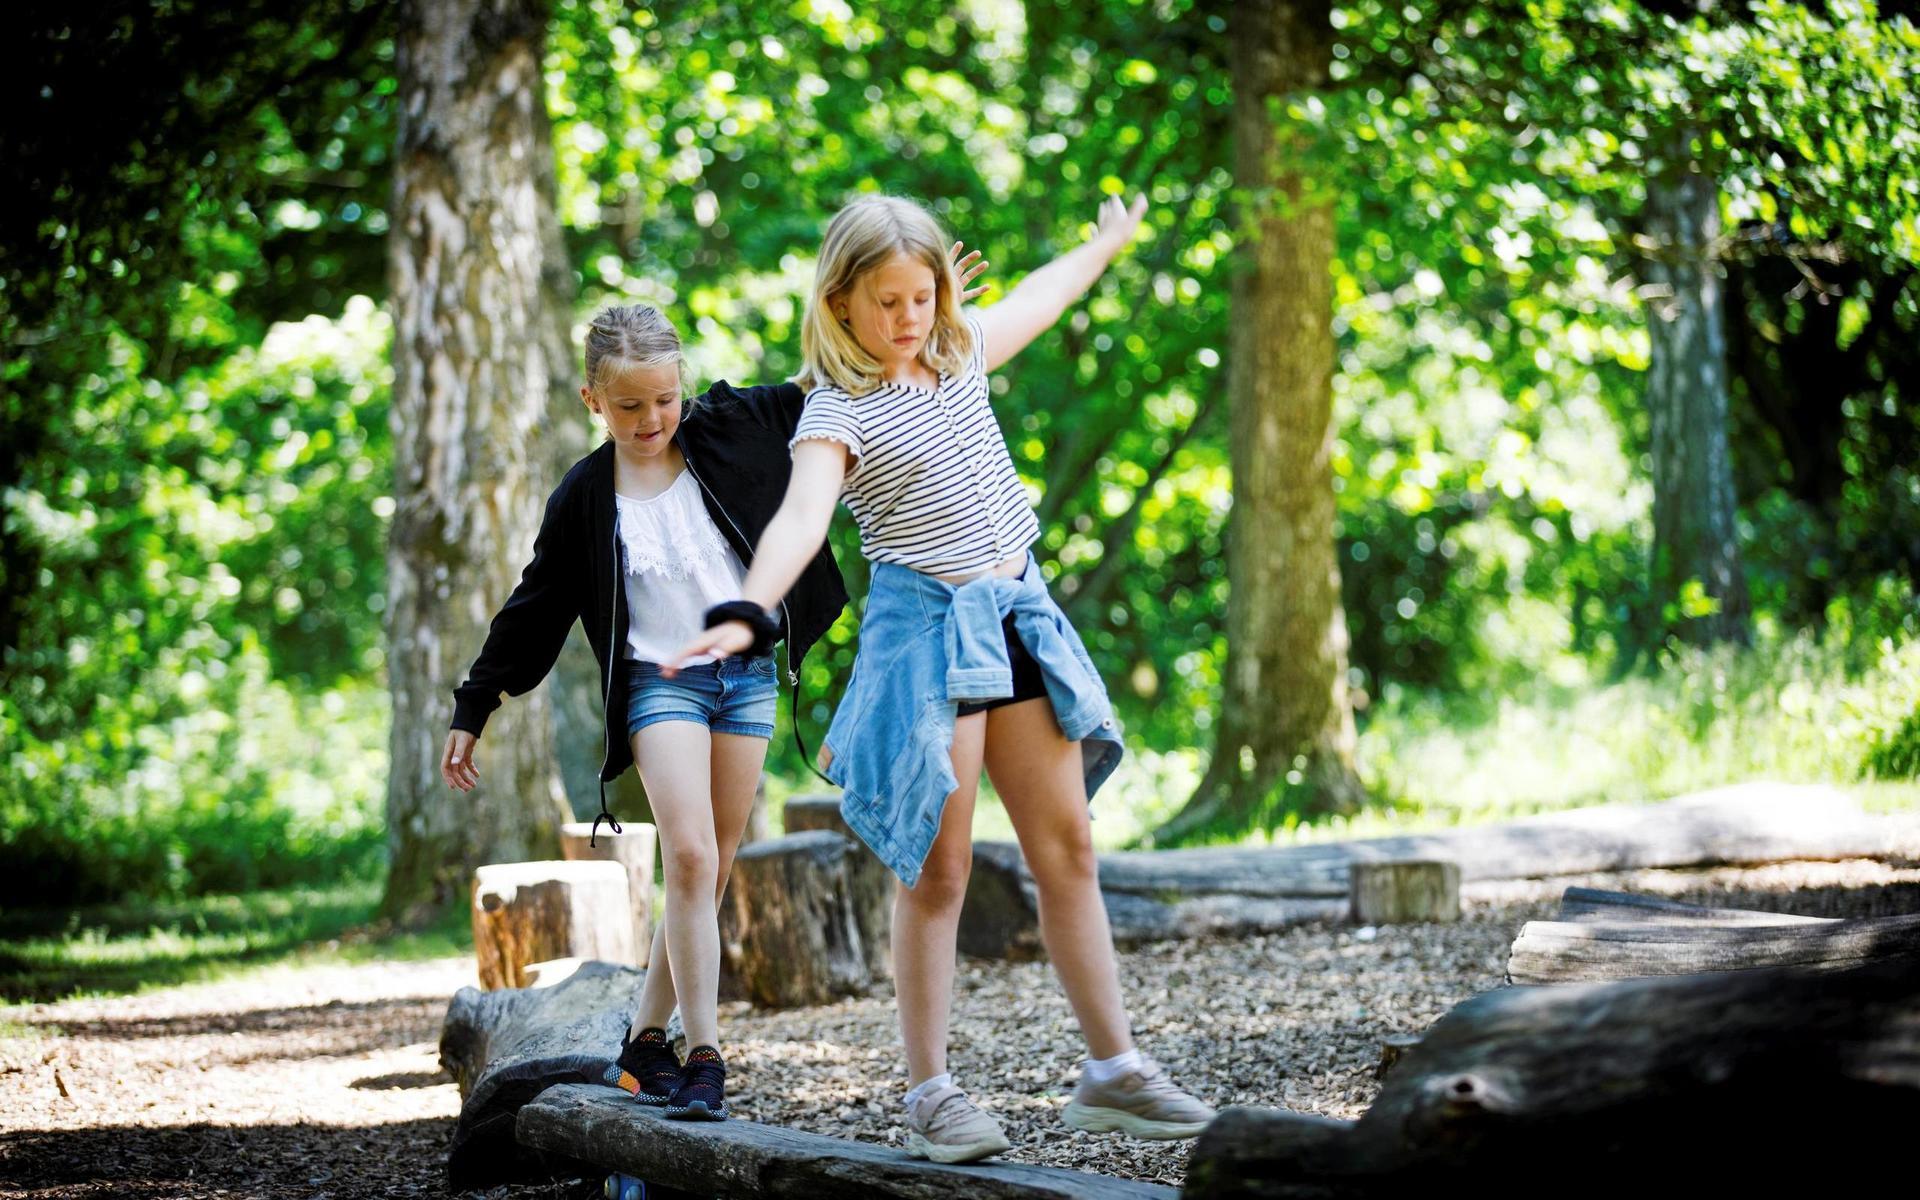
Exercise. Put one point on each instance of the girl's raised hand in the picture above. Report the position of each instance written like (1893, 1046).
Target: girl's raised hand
(969, 271)
(728, 637)
(456, 761)
(1118, 220)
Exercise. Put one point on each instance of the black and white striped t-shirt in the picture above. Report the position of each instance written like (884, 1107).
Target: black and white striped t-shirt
(934, 487)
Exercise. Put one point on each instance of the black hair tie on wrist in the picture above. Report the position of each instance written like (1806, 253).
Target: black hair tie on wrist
(766, 630)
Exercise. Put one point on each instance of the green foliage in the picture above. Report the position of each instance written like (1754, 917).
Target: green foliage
(195, 454)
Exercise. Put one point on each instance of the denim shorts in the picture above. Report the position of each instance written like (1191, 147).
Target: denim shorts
(734, 695)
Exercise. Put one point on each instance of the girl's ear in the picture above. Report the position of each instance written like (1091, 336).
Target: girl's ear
(586, 396)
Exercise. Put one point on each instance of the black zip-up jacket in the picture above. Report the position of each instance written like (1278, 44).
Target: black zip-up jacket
(735, 443)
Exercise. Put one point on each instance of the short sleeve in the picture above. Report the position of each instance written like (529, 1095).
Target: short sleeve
(977, 363)
(829, 417)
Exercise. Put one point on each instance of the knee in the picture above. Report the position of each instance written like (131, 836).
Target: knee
(1065, 859)
(943, 883)
(693, 866)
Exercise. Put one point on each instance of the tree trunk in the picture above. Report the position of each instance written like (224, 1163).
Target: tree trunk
(1693, 501)
(1729, 1083)
(474, 352)
(1284, 713)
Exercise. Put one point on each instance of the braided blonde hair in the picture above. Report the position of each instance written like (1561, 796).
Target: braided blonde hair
(634, 335)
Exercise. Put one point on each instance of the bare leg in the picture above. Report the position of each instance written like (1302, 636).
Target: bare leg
(735, 762)
(1039, 776)
(926, 917)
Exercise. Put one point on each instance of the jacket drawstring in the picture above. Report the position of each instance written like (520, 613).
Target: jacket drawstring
(606, 816)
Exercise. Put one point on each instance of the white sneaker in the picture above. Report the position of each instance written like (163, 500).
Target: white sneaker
(947, 1127)
(1143, 1104)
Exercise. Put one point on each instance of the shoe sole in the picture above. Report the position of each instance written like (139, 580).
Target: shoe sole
(1090, 1118)
(617, 1078)
(920, 1147)
(697, 1111)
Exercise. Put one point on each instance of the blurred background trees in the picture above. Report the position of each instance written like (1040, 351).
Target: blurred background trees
(1617, 362)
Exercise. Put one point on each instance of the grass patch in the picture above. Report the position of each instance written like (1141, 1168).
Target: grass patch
(55, 954)
(1793, 710)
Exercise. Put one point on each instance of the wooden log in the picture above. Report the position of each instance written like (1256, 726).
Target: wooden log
(1393, 1048)
(791, 923)
(633, 848)
(1394, 893)
(1590, 904)
(1585, 951)
(1729, 1082)
(1154, 894)
(745, 1160)
(534, 911)
(505, 1047)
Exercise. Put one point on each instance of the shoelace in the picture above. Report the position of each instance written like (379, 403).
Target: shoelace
(934, 1118)
(705, 1077)
(1155, 1081)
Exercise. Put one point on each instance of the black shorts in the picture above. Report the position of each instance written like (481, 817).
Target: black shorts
(1028, 682)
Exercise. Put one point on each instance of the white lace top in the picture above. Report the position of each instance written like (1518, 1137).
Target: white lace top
(678, 566)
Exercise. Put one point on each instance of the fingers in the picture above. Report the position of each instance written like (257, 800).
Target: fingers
(456, 762)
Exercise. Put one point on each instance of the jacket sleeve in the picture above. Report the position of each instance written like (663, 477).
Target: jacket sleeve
(776, 406)
(528, 632)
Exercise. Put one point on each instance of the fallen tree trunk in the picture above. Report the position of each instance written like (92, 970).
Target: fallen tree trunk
(1669, 1082)
(1158, 894)
(1617, 936)
(505, 1047)
(1591, 904)
(745, 1160)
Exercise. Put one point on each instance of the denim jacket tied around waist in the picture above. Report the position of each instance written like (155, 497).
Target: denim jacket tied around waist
(925, 647)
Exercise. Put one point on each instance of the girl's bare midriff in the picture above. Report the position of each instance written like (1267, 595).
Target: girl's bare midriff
(1004, 570)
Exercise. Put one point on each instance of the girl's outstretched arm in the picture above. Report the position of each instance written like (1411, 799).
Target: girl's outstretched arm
(787, 545)
(1032, 308)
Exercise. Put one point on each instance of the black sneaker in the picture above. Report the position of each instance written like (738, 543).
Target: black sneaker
(646, 1068)
(702, 1095)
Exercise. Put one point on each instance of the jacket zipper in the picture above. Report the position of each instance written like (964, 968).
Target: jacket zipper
(793, 676)
(613, 651)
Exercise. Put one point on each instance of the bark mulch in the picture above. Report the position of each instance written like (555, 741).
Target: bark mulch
(322, 1082)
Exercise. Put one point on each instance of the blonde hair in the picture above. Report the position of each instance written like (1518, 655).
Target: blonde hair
(634, 335)
(860, 239)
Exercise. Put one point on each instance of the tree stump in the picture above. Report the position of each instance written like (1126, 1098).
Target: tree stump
(534, 911)
(804, 814)
(872, 882)
(1728, 1083)
(1397, 892)
(791, 923)
(633, 848)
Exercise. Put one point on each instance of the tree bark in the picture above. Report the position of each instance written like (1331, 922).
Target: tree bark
(1725, 1083)
(476, 357)
(1693, 500)
(1612, 935)
(1284, 710)
(506, 1047)
(533, 912)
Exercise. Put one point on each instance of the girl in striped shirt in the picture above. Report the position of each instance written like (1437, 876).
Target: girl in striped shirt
(964, 658)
